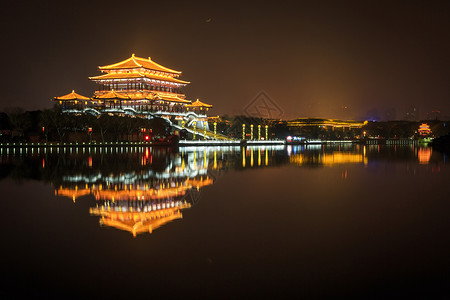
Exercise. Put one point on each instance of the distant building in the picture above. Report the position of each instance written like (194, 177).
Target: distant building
(434, 115)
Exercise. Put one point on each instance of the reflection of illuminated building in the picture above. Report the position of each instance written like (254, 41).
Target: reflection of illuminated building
(328, 159)
(424, 155)
(140, 219)
(141, 201)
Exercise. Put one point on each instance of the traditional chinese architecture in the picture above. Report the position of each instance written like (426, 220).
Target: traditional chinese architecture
(73, 100)
(138, 86)
(424, 129)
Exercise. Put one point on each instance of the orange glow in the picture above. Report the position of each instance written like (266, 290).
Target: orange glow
(328, 159)
(424, 155)
(132, 193)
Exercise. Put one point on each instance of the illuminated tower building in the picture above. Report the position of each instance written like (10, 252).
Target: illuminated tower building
(137, 86)
(140, 84)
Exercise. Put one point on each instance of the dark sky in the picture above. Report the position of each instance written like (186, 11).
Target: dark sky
(313, 58)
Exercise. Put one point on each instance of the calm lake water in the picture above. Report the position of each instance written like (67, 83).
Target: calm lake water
(225, 222)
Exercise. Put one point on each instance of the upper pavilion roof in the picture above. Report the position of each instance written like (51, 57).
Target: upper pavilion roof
(72, 96)
(137, 75)
(138, 62)
(198, 103)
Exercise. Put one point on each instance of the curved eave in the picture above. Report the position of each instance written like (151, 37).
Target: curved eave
(137, 75)
(138, 62)
(72, 96)
(112, 95)
(199, 104)
(170, 99)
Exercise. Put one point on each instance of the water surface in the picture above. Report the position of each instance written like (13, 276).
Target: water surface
(228, 222)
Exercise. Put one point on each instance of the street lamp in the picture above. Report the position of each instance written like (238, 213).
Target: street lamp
(45, 133)
(90, 134)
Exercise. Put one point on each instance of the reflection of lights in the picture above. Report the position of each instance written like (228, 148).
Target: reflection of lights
(328, 159)
(259, 155)
(424, 155)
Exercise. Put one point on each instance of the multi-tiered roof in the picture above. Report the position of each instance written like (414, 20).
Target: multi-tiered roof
(137, 84)
(142, 78)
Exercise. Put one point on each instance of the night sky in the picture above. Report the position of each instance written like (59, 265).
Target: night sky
(334, 59)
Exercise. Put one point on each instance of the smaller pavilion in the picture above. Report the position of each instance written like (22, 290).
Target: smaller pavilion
(73, 101)
(199, 107)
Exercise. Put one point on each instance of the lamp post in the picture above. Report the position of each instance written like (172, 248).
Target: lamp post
(243, 131)
(267, 132)
(45, 133)
(90, 134)
(259, 132)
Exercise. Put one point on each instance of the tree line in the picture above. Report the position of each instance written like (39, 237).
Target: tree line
(52, 125)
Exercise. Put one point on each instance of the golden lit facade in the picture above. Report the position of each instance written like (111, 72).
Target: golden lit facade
(137, 86)
(140, 84)
(330, 123)
(424, 130)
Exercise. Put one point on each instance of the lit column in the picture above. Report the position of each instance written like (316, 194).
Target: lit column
(194, 125)
(243, 131)
(194, 161)
(215, 129)
(204, 129)
(259, 132)
(251, 132)
(182, 124)
(267, 132)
